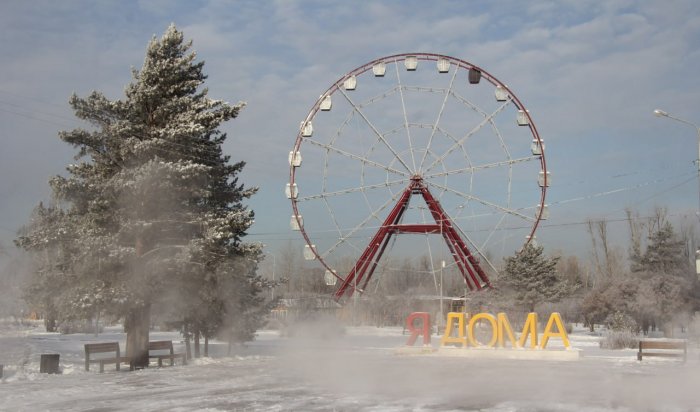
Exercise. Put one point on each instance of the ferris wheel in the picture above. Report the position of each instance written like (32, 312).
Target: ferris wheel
(416, 144)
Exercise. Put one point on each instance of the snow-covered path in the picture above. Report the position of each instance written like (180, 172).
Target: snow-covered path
(355, 372)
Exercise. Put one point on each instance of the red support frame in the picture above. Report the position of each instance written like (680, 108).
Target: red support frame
(466, 262)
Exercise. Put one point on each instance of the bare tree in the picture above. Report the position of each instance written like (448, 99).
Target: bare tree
(289, 265)
(636, 227)
(607, 260)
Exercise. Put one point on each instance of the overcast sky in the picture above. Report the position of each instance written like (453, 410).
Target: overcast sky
(590, 72)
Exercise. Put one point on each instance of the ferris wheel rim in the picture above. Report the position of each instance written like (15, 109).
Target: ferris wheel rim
(421, 56)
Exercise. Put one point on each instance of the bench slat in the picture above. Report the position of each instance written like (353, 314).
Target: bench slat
(673, 349)
(662, 345)
(105, 347)
(159, 345)
(101, 347)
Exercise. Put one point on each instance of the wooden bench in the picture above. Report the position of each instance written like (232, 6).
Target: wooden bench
(665, 348)
(107, 347)
(164, 345)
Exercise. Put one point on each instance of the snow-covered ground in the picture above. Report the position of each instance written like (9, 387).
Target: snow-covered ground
(357, 371)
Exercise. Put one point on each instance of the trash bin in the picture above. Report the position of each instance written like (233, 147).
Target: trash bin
(49, 363)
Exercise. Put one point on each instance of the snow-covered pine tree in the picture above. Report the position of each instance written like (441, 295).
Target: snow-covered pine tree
(667, 284)
(533, 277)
(153, 207)
(663, 255)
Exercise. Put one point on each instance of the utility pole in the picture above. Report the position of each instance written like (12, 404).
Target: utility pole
(662, 113)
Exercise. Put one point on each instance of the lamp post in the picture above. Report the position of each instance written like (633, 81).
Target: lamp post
(662, 113)
(442, 310)
(272, 291)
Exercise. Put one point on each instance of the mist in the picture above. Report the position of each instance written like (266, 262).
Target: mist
(15, 272)
(364, 367)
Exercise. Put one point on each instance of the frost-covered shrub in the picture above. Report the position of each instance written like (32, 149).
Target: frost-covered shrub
(621, 322)
(622, 332)
(619, 340)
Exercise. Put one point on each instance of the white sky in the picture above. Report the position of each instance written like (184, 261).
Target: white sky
(590, 72)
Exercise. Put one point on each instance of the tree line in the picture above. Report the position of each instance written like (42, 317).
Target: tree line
(652, 286)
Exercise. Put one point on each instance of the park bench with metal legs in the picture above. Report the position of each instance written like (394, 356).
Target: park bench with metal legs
(663, 348)
(164, 345)
(101, 348)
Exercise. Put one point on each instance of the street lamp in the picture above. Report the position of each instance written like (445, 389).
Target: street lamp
(662, 113)
(442, 310)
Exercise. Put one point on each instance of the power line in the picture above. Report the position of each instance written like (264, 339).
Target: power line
(543, 225)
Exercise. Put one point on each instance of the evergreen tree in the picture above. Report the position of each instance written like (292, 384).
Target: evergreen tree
(153, 211)
(659, 287)
(533, 277)
(665, 254)
(665, 277)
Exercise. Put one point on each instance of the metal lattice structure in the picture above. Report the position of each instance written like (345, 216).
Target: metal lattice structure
(392, 130)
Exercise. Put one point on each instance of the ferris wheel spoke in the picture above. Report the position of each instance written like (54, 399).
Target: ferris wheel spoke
(405, 116)
(493, 125)
(482, 201)
(468, 103)
(372, 215)
(353, 190)
(437, 121)
(461, 141)
(508, 162)
(355, 157)
(478, 250)
(379, 97)
(374, 129)
(495, 229)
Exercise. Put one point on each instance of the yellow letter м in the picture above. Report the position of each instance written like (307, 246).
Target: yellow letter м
(530, 329)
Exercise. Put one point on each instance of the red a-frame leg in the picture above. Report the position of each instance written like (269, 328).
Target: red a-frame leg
(468, 265)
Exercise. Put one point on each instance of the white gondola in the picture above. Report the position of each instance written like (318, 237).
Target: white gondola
(309, 252)
(443, 65)
(291, 191)
(501, 94)
(329, 278)
(307, 129)
(295, 158)
(543, 213)
(379, 69)
(411, 63)
(295, 223)
(326, 103)
(541, 180)
(537, 147)
(350, 83)
(523, 117)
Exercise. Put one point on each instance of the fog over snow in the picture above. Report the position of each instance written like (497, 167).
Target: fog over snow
(352, 371)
